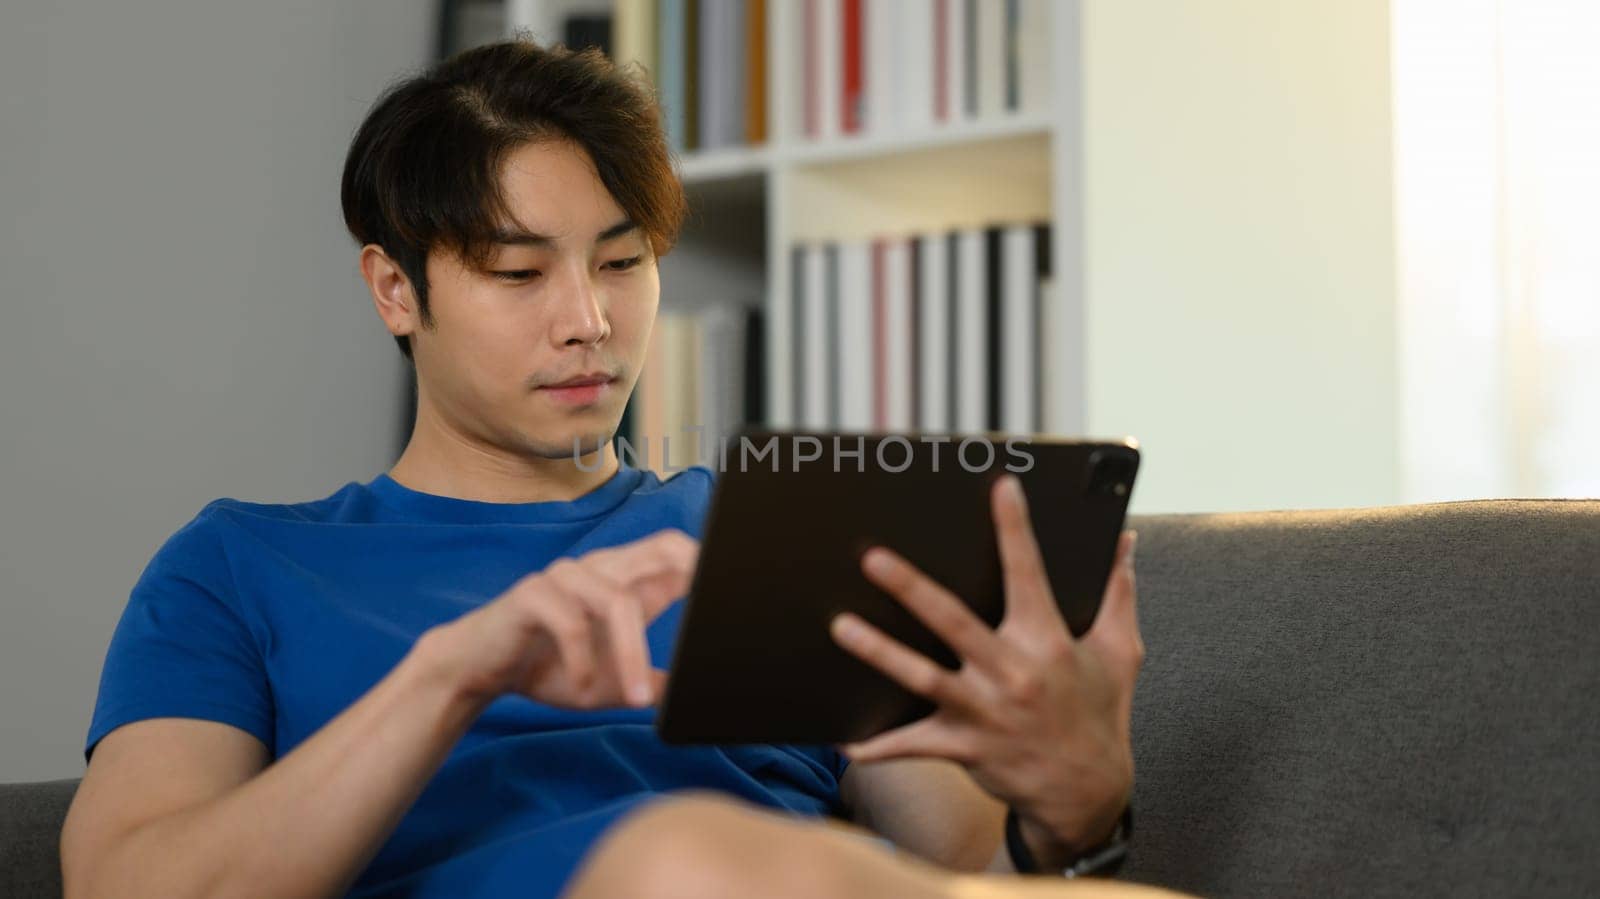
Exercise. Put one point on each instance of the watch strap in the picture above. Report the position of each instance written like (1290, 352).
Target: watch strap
(1103, 860)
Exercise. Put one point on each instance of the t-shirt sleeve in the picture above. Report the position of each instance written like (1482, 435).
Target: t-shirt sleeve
(182, 649)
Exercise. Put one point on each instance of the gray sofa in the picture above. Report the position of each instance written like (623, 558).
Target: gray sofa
(1384, 702)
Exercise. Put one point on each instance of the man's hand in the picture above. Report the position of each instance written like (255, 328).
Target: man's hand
(572, 635)
(1040, 720)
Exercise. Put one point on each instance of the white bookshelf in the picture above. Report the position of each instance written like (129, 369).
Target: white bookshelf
(1012, 167)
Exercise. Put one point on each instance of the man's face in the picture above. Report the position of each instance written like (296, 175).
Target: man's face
(569, 292)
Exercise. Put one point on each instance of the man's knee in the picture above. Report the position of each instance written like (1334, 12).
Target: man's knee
(704, 846)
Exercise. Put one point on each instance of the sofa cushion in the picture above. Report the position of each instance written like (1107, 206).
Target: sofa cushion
(1383, 702)
(31, 815)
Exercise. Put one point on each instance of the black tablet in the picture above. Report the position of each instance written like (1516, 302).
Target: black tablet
(791, 514)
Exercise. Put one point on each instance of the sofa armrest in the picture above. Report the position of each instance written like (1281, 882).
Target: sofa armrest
(31, 815)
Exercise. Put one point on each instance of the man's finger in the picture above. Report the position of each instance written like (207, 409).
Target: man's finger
(1027, 585)
(666, 550)
(659, 591)
(903, 665)
(568, 629)
(940, 610)
(624, 624)
(1116, 625)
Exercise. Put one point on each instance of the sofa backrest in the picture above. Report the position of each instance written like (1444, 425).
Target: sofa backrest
(31, 815)
(1383, 702)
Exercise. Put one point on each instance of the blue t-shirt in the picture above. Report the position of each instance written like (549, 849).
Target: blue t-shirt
(275, 618)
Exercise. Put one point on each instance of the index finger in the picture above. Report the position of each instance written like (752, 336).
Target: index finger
(666, 551)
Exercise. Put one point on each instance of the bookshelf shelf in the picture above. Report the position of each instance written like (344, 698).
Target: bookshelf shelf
(720, 165)
(851, 149)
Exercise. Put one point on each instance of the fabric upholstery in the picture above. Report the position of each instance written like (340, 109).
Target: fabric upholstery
(1383, 702)
(30, 834)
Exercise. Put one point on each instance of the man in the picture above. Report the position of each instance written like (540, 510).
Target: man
(438, 683)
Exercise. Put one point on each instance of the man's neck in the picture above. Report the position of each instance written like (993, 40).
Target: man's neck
(450, 465)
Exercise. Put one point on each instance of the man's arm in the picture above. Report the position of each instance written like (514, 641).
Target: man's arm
(929, 807)
(176, 807)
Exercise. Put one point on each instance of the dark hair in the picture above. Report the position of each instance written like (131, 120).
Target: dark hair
(423, 170)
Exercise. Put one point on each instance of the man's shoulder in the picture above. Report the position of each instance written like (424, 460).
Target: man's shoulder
(206, 530)
(327, 508)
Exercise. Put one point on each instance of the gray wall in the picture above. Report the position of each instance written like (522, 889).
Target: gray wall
(180, 313)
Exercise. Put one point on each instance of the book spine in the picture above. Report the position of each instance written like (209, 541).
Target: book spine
(855, 335)
(941, 60)
(850, 98)
(934, 358)
(992, 249)
(972, 329)
(691, 75)
(755, 64)
(669, 51)
(1018, 363)
(880, 336)
(830, 68)
(899, 334)
(991, 58)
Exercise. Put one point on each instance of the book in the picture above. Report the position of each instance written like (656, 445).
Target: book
(711, 66)
(898, 376)
(671, 76)
(994, 326)
(754, 410)
(1033, 56)
(972, 333)
(814, 406)
(883, 31)
(990, 57)
(854, 335)
(691, 75)
(1019, 324)
(916, 65)
(943, 83)
(585, 30)
(852, 98)
(935, 365)
(633, 38)
(755, 68)
(827, 68)
(967, 32)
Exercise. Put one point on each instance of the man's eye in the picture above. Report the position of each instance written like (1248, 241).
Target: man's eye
(621, 265)
(521, 274)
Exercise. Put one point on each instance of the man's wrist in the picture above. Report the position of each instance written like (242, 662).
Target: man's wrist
(1051, 850)
(436, 667)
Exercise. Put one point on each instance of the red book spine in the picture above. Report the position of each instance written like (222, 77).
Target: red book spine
(941, 70)
(880, 340)
(808, 64)
(851, 14)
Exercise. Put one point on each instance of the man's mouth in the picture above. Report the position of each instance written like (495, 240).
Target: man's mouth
(579, 391)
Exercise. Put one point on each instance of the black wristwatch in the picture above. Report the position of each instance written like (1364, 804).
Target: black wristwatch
(1103, 860)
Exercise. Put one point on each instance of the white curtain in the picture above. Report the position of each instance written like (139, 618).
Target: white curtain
(1497, 186)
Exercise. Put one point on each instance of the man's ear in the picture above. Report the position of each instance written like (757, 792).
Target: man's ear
(391, 291)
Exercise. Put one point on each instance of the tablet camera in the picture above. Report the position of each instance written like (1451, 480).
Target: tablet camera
(1110, 474)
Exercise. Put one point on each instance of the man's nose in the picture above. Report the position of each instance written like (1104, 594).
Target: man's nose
(580, 316)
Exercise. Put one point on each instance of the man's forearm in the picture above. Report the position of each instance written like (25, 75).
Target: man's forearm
(309, 823)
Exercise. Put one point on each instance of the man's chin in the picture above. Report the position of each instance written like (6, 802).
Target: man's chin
(577, 444)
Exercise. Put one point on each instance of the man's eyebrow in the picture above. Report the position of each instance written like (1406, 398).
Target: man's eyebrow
(526, 238)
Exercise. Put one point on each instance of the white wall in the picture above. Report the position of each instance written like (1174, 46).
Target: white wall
(180, 315)
(1239, 249)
